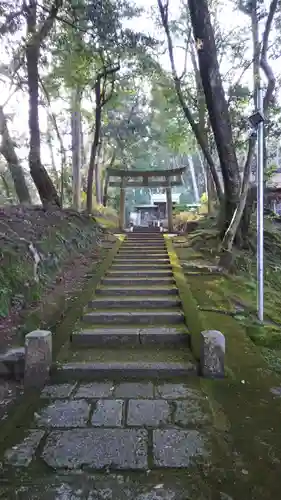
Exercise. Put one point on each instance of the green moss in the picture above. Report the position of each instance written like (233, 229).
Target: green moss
(57, 242)
(139, 353)
(106, 223)
(67, 310)
(15, 283)
(194, 319)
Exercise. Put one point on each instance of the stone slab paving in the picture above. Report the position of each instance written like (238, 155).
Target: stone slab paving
(97, 449)
(108, 413)
(177, 448)
(121, 440)
(134, 390)
(148, 413)
(117, 425)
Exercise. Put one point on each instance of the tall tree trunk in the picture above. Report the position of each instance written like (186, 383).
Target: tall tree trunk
(231, 232)
(82, 142)
(76, 147)
(216, 103)
(241, 218)
(210, 188)
(94, 147)
(39, 174)
(193, 179)
(98, 175)
(51, 150)
(183, 103)
(8, 151)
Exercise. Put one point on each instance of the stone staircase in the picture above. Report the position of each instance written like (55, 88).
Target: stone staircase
(122, 396)
(134, 326)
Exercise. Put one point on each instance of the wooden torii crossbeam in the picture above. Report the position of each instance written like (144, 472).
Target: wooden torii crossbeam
(143, 178)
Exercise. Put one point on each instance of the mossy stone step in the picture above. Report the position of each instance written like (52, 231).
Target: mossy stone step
(145, 235)
(142, 254)
(128, 354)
(134, 290)
(145, 239)
(120, 259)
(144, 242)
(140, 251)
(147, 302)
(154, 273)
(140, 245)
(133, 336)
(122, 281)
(140, 266)
(122, 370)
(139, 317)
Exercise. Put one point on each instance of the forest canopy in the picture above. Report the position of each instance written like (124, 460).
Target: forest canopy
(87, 85)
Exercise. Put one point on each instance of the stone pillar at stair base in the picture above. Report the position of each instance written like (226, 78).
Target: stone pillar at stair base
(169, 207)
(122, 204)
(212, 354)
(38, 358)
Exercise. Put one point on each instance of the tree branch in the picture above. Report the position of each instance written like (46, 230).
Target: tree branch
(263, 59)
(53, 118)
(5, 27)
(47, 25)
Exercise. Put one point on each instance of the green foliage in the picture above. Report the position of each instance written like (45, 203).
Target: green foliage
(60, 241)
(15, 283)
(204, 198)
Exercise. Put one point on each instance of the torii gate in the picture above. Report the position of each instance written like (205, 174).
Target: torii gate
(143, 178)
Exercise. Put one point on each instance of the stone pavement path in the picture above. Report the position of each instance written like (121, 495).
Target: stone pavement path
(131, 440)
(127, 425)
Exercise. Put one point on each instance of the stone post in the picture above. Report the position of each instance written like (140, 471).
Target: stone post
(38, 358)
(169, 206)
(212, 354)
(122, 204)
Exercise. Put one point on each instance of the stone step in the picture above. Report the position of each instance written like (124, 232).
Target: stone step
(120, 370)
(139, 273)
(140, 266)
(143, 244)
(139, 317)
(147, 302)
(137, 246)
(120, 259)
(139, 241)
(133, 291)
(144, 250)
(128, 353)
(145, 234)
(119, 337)
(137, 281)
(142, 255)
(145, 237)
(149, 230)
(145, 240)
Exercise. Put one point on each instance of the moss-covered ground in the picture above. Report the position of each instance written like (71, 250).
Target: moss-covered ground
(247, 402)
(43, 252)
(235, 293)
